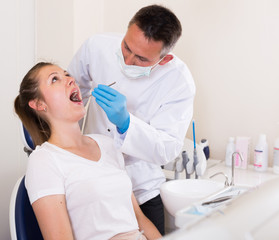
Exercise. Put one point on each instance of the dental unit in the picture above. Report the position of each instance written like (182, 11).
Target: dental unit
(192, 159)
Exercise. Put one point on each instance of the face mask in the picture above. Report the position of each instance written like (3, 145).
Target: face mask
(133, 71)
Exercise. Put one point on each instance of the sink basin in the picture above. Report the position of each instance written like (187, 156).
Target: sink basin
(178, 194)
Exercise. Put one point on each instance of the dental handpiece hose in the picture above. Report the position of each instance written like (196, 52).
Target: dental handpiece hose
(195, 162)
(195, 155)
(185, 160)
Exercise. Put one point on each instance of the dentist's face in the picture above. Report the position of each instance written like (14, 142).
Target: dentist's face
(61, 95)
(138, 50)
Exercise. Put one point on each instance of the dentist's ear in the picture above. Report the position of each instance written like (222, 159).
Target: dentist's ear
(166, 59)
(37, 105)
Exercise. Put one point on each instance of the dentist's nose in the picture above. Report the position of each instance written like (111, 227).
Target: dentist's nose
(129, 59)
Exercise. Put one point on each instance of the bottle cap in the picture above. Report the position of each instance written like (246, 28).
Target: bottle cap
(262, 138)
(204, 142)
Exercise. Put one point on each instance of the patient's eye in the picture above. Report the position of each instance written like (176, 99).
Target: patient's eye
(54, 79)
(67, 74)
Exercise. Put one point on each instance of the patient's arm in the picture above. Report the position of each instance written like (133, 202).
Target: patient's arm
(150, 231)
(53, 218)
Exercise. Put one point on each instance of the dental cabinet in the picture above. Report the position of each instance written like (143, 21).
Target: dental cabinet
(252, 213)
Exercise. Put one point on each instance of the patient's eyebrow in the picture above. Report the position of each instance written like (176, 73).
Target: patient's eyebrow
(65, 72)
(52, 73)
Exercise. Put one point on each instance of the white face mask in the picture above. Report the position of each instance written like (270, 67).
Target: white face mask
(133, 71)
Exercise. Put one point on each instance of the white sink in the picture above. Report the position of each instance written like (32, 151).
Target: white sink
(178, 194)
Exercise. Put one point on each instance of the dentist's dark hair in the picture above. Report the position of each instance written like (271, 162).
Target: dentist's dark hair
(35, 122)
(159, 24)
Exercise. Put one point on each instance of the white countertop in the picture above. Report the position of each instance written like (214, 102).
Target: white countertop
(246, 177)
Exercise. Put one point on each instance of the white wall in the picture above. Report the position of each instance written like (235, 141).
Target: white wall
(17, 55)
(54, 31)
(232, 52)
(231, 48)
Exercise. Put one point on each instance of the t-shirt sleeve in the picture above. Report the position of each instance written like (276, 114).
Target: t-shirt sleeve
(43, 176)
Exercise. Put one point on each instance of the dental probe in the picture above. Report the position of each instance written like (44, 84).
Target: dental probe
(111, 84)
(91, 95)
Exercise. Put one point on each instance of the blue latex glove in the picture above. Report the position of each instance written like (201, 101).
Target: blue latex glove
(114, 105)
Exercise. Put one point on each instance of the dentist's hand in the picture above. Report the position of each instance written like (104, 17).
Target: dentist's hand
(114, 105)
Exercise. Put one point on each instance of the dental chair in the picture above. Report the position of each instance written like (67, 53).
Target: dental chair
(27, 140)
(23, 223)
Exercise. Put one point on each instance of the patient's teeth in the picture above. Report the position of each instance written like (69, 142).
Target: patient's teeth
(74, 96)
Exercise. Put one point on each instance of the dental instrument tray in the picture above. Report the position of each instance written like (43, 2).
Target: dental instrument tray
(210, 205)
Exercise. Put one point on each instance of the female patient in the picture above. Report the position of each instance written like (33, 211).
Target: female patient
(77, 184)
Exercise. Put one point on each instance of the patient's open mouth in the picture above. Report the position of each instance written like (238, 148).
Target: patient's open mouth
(74, 97)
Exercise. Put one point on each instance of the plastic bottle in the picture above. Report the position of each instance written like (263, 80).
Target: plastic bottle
(276, 156)
(242, 146)
(229, 151)
(261, 154)
(205, 147)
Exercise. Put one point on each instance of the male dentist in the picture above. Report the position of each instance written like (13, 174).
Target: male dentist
(149, 109)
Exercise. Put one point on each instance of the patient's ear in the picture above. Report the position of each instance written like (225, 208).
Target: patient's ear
(36, 105)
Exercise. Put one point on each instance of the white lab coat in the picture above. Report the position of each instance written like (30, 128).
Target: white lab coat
(160, 107)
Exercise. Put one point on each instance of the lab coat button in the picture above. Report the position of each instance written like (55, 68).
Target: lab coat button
(108, 130)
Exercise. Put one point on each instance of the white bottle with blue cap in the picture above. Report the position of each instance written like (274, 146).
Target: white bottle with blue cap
(205, 147)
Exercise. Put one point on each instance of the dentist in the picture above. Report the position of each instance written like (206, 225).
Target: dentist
(149, 109)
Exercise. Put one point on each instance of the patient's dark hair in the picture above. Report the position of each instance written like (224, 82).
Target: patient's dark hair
(159, 24)
(35, 123)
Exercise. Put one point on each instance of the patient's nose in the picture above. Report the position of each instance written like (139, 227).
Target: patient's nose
(70, 80)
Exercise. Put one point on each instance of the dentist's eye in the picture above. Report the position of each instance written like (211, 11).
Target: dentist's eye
(142, 59)
(126, 47)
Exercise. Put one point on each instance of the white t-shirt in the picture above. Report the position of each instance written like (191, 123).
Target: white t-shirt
(98, 194)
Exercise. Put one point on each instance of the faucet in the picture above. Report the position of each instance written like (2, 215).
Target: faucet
(239, 154)
(221, 173)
